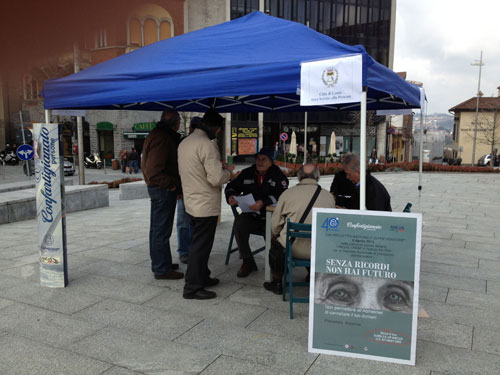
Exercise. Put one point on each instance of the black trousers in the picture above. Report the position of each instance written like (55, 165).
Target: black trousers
(202, 240)
(244, 225)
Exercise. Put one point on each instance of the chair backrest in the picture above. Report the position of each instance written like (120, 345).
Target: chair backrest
(297, 230)
(407, 207)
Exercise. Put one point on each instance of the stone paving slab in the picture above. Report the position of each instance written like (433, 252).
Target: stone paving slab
(66, 300)
(473, 299)
(24, 356)
(443, 332)
(261, 348)
(56, 329)
(433, 293)
(140, 319)
(116, 370)
(456, 282)
(486, 340)
(107, 287)
(225, 365)
(352, 366)
(453, 360)
(220, 310)
(143, 353)
(460, 314)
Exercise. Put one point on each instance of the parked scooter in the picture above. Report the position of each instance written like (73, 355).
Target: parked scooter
(8, 157)
(93, 161)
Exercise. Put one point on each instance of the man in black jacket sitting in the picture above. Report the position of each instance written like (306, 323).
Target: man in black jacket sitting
(377, 197)
(265, 182)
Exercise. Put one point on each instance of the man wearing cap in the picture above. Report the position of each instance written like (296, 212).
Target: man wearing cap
(265, 182)
(202, 174)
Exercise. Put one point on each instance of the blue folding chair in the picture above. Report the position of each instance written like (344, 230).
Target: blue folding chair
(294, 230)
(230, 250)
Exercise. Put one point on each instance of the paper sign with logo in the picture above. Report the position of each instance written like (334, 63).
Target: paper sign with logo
(50, 205)
(331, 81)
(365, 284)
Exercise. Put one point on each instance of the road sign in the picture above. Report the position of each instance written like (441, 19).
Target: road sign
(25, 152)
(283, 137)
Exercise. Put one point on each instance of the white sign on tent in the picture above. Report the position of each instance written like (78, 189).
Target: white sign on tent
(331, 81)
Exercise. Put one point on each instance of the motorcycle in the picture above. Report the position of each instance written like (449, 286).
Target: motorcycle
(93, 161)
(8, 157)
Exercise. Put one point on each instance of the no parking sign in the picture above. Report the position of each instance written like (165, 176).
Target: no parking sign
(283, 137)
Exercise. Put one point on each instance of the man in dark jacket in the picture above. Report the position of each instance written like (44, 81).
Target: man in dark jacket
(265, 182)
(377, 197)
(161, 172)
(343, 191)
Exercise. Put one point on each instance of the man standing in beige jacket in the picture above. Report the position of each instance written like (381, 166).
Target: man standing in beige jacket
(202, 174)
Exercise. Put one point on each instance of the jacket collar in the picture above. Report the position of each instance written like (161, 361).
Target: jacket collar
(308, 181)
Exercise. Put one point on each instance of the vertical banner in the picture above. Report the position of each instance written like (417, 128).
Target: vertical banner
(332, 81)
(49, 176)
(365, 284)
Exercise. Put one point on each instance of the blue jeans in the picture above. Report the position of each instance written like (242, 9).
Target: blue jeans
(183, 229)
(133, 164)
(163, 203)
(124, 166)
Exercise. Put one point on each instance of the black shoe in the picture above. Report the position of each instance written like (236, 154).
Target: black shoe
(247, 267)
(274, 286)
(172, 275)
(211, 282)
(200, 294)
(175, 266)
(184, 258)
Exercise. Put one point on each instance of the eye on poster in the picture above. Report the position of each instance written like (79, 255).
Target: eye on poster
(365, 269)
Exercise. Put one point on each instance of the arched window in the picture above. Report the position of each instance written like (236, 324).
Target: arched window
(150, 31)
(148, 24)
(135, 32)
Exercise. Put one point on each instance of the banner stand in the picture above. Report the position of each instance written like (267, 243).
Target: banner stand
(50, 205)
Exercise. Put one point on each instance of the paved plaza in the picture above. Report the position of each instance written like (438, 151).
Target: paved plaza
(115, 318)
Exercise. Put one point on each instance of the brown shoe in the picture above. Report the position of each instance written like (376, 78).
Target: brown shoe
(172, 275)
(247, 267)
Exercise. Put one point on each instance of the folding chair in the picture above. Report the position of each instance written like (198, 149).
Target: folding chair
(294, 230)
(230, 250)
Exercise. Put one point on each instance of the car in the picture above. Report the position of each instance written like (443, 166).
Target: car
(484, 160)
(69, 167)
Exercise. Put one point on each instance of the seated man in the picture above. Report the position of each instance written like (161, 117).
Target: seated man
(292, 204)
(377, 197)
(265, 182)
(343, 189)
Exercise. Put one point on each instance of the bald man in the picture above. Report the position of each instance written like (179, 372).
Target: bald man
(292, 204)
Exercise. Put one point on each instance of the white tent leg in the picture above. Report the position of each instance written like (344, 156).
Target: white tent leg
(421, 152)
(305, 138)
(362, 153)
(47, 116)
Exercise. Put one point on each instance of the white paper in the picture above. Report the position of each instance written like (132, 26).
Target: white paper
(245, 201)
(331, 81)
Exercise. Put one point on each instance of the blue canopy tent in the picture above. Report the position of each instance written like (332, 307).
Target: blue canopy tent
(251, 64)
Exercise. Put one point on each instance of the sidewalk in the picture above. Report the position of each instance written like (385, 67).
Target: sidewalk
(115, 318)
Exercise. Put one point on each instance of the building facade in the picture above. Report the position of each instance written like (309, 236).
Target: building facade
(488, 127)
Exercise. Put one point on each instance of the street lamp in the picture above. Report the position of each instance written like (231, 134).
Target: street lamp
(480, 64)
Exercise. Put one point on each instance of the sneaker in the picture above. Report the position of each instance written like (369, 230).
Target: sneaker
(172, 275)
(275, 286)
(183, 258)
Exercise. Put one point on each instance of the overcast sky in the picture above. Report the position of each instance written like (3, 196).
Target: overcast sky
(436, 41)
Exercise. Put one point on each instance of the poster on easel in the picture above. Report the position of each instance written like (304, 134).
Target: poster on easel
(364, 288)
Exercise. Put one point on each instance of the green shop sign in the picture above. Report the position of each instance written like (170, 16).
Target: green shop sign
(144, 126)
(104, 125)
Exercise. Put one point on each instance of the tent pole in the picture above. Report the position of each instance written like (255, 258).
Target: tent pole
(362, 153)
(47, 116)
(421, 151)
(305, 138)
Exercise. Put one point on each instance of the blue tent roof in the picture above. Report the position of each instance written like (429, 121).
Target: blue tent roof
(251, 64)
